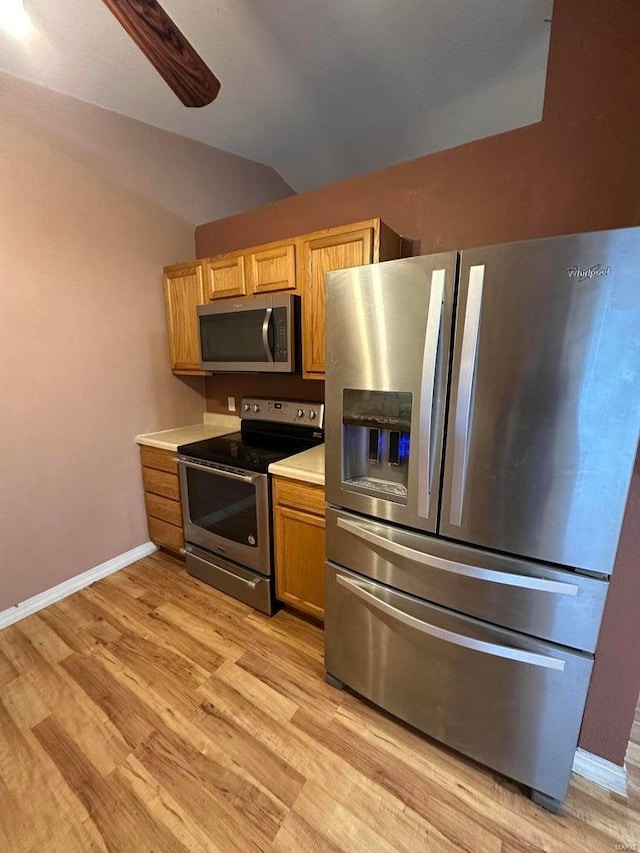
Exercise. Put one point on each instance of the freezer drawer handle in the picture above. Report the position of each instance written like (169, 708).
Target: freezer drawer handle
(482, 646)
(537, 584)
(465, 392)
(429, 365)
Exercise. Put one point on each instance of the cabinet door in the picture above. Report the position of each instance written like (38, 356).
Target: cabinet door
(272, 269)
(300, 557)
(320, 256)
(225, 277)
(184, 289)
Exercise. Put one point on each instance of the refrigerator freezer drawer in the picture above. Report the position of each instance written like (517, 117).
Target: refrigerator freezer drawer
(510, 702)
(552, 604)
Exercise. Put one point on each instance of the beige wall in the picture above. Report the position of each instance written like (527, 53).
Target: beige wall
(92, 205)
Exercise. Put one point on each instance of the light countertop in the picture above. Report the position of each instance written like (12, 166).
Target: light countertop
(213, 425)
(307, 466)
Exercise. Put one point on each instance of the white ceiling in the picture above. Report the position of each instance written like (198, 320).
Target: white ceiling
(319, 89)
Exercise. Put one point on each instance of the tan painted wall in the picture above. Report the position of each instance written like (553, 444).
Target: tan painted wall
(576, 170)
(92, 206)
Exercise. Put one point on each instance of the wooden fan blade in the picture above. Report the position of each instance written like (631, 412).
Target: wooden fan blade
(167, 49)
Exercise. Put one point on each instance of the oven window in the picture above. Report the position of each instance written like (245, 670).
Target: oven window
(222, 506)
(233, 337)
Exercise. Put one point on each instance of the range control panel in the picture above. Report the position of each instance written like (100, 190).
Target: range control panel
(303, 413)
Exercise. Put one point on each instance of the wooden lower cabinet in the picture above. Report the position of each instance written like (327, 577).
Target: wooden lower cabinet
(162, 497)
(299, 545)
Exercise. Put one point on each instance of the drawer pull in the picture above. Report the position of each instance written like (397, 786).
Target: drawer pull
(476, 572)
(482, 646)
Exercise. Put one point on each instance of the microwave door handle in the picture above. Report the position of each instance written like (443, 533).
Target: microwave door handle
(427, 390)
(265, 334)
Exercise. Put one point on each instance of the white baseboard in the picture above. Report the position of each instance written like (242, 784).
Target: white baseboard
(604, 773)
(62, 590)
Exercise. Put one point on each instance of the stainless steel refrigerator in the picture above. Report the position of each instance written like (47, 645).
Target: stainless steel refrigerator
(483, 419)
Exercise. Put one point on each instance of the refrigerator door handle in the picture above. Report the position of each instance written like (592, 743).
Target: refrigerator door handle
(427, 389)
(465, 392)
(482, 646)
(490, 575)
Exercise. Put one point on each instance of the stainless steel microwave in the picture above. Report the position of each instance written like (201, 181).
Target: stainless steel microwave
(258, 334)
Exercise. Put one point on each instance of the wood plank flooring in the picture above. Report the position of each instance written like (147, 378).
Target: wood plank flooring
(152, 713)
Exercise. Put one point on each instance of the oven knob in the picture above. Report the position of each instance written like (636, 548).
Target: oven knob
(246, 407)
(312, 414)
(300, 413)
(256, 407)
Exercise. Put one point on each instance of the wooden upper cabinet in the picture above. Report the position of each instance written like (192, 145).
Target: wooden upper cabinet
(320, 256)
(337, 248)
(225, 277)
(298, 264)
(184, 290)
(272, 269)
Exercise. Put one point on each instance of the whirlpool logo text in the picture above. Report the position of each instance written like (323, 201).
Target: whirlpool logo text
(582, 273)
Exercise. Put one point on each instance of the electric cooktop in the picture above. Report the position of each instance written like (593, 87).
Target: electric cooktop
(271, 430)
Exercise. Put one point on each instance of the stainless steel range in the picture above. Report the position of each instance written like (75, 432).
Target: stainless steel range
(226, 502)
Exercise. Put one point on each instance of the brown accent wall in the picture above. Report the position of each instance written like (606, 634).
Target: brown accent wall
(222, 386)
(576, 170)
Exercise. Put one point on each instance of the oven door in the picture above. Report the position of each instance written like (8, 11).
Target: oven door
(227, 512)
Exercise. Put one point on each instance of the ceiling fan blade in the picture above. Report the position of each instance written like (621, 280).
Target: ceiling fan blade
(167, 49)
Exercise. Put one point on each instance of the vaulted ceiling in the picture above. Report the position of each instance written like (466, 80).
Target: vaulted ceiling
(321, 90)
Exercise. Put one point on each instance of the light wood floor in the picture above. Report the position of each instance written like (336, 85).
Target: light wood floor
(151, 713)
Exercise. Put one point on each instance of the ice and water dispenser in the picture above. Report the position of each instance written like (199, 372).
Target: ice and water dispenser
(376, 442)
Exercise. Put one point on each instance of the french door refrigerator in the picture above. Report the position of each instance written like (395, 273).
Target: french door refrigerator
(483, 420)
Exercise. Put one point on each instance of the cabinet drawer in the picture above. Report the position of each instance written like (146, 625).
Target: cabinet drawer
(155, 457)
(161, 483)
(164, 509)
(166, 534)
(300, 495)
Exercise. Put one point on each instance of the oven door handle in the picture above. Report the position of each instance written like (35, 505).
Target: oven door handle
(243, 478)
